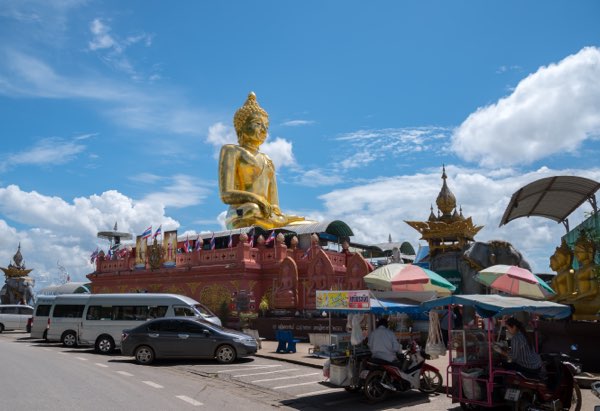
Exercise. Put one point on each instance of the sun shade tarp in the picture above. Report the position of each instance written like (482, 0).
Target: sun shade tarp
(493, 305)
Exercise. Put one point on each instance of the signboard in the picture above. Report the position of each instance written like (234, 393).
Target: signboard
(343, 300)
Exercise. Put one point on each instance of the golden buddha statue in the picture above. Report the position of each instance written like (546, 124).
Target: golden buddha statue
(247, 177)
(560, 262)
(585, 277)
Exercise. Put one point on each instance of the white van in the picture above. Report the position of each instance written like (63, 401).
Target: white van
(14, 316)
(65, 319)
(41, 315)
(107, 315)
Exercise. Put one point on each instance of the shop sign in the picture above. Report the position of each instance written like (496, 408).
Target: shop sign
(343, 300)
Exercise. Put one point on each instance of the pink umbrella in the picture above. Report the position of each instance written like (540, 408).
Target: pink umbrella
(514, 280)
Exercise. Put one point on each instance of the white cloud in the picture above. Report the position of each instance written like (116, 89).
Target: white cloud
(220, 134)
(102, 38)
(52, 229)
(553, 110)
(316, 178)
(280, 151)
(184, 191)
(48, 151)
(296, 123)
(379, 208)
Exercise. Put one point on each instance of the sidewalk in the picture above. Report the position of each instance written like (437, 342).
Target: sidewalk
(302, 357)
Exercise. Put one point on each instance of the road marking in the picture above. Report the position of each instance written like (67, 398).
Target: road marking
(81, 358)
(306, 394)
(125, 373)
(101, 365)
(189, 400)
(258, 367)
(295, 385)
(153, 384)
(263, 373)
(62, 352)
(287, 378)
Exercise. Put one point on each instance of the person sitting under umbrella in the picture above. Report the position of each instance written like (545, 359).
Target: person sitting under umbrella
(383, 342)
(521, 356)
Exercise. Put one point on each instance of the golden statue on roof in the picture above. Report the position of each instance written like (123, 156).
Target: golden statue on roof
(247, 177)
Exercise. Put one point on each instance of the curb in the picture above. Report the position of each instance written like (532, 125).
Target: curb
(290, 360)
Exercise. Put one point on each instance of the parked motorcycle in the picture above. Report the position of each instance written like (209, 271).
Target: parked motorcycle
(410, 372)
(555, 390)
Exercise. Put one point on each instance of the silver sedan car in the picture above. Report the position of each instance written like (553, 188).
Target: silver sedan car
(185, 337)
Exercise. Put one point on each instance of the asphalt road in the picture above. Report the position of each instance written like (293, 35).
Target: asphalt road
(41, 376)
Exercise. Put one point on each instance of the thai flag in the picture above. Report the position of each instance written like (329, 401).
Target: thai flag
(198, 245)
(213, 245)
(271, 237)
(109, 255)
(94, 256)
(158, 231)
(147, 233)
(230, 243)
(186, 245)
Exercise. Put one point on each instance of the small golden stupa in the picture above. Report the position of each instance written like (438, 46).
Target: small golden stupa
(449, 230)
(18, 268)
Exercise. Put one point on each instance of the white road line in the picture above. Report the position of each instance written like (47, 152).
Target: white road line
(258, 367)
(294, 385)
(62, 352)
(101, 365)
(287, 378)
(81, 358)
(263, 373)
(125, 373)
(306, 394)
(153, 384)
(189, 400)
(47, 349)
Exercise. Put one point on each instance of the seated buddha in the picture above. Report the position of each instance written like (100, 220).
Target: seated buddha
(560, 262)
(247, 177)
(585, 276)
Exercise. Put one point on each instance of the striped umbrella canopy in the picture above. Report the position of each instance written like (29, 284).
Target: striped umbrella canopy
(514, 280)
(407, 277)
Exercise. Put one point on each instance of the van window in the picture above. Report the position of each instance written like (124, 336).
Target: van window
(25, 310)
(8, 310)
(68, 311)
(43, 310)
(183, 311)
(125, 312)
(204, 310)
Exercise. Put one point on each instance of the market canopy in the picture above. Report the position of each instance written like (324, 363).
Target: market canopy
(378, 306)
(552, 197)
(493, 305)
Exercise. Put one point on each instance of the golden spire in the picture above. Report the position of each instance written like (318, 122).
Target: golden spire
(446, 201)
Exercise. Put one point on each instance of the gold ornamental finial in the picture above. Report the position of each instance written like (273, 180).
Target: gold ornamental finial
(251, 106)
(446, 201)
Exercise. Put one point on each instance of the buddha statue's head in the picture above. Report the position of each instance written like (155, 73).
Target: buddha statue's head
(584, 249)
(562, 257)
(251, 121)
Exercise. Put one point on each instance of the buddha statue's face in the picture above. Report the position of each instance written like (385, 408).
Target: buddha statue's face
(254, 130)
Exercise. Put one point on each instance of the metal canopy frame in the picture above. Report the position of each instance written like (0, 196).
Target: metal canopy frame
(552, 197)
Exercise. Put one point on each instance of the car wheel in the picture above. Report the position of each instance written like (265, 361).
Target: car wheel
(69, 339)
(225, 354)
(105, 344)
(144, 355)
(1, 328)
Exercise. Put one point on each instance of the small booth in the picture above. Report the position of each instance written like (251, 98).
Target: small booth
(347, 350)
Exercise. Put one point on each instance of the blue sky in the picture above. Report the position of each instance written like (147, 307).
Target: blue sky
(115, 111)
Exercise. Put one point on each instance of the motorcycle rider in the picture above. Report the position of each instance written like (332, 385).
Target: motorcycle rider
(521, 357)
(383, 342)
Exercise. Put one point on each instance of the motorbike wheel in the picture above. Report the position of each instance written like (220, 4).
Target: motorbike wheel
(575, 398)
(430, 381)
(373, 390)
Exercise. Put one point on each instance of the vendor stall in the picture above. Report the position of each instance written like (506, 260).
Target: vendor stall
(346, 356)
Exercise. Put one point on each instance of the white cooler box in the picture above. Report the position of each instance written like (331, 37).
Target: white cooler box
(338, 375)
